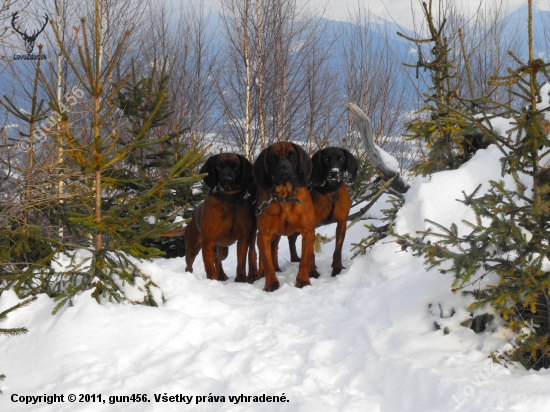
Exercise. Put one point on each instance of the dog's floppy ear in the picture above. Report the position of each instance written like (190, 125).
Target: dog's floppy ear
(351, 165)
(246, 172)
(261, 172)
(303, 167)
(210, 167)
(317, 176)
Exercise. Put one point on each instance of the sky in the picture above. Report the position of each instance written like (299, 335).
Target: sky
(398, 11)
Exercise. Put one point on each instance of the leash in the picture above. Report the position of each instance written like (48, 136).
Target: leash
(272, 198)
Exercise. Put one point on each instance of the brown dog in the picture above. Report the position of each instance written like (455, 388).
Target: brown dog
(226, 216)
(333, 168)
(283, 207)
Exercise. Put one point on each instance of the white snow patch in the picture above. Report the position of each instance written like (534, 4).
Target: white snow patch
(433, 197)
(389, 161)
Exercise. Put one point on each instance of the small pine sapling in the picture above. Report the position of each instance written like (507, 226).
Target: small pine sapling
(142, 100)
(439, 125)
(112, 208)
(28, 227)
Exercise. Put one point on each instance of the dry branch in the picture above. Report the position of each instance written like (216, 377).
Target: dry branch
(386, 171)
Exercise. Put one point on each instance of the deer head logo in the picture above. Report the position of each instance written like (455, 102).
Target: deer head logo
(29, 39)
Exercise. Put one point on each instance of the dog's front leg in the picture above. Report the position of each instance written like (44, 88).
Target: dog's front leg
(313, 273)
(292, 246)
(264, 247)
(242, 248)
(253, 274)
(306, 263)
(208, 257)
(337, 257)
(275, 252)
(220, 254)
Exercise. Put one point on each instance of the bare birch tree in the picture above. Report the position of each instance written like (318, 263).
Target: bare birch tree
(236, 87)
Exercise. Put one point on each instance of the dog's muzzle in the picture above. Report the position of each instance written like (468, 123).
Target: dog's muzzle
(338, 176)
(226, 183)
(335, 174)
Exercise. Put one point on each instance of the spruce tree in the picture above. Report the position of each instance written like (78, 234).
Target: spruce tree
(142, 99)
(509, 237)
(114, 207)
(109, 208)
(28, 239)
(437, 126)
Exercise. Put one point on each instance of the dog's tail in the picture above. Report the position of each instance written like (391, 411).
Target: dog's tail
(172, 242)
(179, 231)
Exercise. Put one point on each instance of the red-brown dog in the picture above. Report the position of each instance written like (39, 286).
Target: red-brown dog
(226, 216)
(283, 207)
(333, 168)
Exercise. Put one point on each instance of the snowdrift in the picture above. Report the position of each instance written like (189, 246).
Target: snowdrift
(362, 341)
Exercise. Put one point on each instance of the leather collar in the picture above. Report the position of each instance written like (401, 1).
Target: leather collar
(234, 198)
(324, 188)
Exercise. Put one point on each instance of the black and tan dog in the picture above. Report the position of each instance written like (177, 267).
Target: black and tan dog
(226, 216)
(333, 168)
(283, 207)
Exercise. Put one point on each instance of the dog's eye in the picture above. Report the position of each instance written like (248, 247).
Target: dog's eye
(273, 158)
(235, 166)
(218, 165)
(326, 159)
(291, 155)
(340, 159)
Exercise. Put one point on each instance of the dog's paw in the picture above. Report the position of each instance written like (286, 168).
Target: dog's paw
(241, 279)
(222, 277)
(301, 283)
(253, 277)
(295, 259)
(314, 274)
(271, 288)
(336, 271)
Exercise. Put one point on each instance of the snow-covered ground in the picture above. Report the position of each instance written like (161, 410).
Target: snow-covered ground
(362, 341)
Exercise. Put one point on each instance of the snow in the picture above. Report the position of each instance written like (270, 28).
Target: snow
(389, 161)
(362, 341)
(433, 197)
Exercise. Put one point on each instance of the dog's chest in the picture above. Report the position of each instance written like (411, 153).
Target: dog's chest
(228, 223)
(288, 218)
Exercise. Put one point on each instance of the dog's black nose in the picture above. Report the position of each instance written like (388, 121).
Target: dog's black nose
(284, 173)
(226, 180)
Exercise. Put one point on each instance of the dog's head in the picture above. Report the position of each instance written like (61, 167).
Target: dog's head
(282, 163)
(229, 171)
(333, 164)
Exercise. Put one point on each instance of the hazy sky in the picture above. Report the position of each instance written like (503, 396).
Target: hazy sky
(400, 11)
(396, 10)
